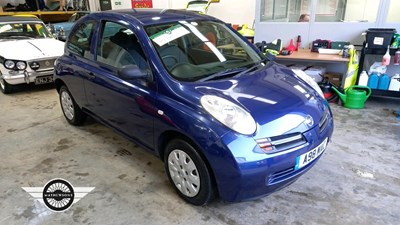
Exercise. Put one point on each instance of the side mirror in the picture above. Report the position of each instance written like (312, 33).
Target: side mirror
(132, 72)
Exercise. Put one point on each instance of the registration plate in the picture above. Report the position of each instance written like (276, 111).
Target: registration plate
(44, 80)
(308, 157)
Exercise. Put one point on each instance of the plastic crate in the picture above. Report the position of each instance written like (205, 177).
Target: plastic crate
(380, 37)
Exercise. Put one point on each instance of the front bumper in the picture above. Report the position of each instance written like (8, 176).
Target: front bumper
(25, 77)
(254, 174)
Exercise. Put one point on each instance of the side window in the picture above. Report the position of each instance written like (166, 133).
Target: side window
(119, 47)
(79, 43)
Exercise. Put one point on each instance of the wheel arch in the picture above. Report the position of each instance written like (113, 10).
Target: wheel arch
(59, 83)
(170, 135)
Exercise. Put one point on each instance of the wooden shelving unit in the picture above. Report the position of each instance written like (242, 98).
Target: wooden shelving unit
(46, 16)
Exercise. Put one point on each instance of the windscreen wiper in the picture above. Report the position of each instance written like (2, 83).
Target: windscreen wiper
(223, 73)
(261, 61)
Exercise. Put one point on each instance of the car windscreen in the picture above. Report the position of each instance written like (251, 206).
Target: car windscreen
(18, 30)
(198, 50)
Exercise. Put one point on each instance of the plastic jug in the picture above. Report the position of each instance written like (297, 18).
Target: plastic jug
(386, 58)
(384, 81)
(363, 80)
(395, 83)
(373, 81)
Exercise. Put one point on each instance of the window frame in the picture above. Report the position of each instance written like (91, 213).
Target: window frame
(113, 70)
(90, 39)
(102, 25)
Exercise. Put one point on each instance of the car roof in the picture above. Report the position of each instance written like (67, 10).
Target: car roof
(18, 19)
(147, 16)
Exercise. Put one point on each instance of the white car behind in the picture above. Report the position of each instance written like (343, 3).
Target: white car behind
(27, 52)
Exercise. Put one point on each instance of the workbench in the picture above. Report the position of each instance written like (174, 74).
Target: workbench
(332, 63)
(307, 56)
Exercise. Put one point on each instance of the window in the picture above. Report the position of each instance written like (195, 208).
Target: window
(326, 10)
(285, 10)
(119, 47)
(201, 50)
(24, 30)
(79, 42)
(394, 15)
(347, 10)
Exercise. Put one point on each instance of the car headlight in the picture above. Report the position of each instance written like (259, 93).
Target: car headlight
(309, 80)
(9, 64)
(21, 65)
(229, 114)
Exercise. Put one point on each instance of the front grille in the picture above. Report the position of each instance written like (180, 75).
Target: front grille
(46, 64)
(281, 143)
(323, 123)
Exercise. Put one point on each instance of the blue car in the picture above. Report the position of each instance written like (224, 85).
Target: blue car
(227, 121)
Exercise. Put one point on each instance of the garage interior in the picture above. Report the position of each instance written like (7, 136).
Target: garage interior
(356, 181)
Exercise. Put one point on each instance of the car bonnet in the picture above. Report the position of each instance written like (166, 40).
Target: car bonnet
(31, 49)
(279, 102)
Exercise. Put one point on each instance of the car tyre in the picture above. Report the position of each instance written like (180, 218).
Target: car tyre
(188, 173)
(5, 87)
(72, 113)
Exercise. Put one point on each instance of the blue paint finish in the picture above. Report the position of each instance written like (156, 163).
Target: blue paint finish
(143, 111)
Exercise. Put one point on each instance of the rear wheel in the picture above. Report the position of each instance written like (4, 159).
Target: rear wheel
(4, 86)
(71, 110)
(188, 173)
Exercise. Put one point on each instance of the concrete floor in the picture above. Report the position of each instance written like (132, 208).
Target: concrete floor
(357, 181)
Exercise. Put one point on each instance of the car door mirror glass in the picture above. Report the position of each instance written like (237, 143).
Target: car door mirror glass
(132, 72)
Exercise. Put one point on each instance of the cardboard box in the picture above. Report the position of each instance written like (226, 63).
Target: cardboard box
(334, 78)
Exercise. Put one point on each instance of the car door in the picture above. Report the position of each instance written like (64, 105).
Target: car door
(125, 104)
(77, 60)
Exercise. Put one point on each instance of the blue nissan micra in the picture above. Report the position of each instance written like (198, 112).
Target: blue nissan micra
(225, 120)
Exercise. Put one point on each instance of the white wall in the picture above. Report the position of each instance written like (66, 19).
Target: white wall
(127, 4)
(94, 5)
(354, 7)
(162, 4)
(230, 11)
(394, 14)
(234, 11)
(121, 4)
(335, 31)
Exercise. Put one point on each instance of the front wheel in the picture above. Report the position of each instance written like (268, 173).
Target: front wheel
(188, 173)
(4, 86)
(71, 110)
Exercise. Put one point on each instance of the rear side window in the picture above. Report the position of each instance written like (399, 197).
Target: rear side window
(79, 42)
